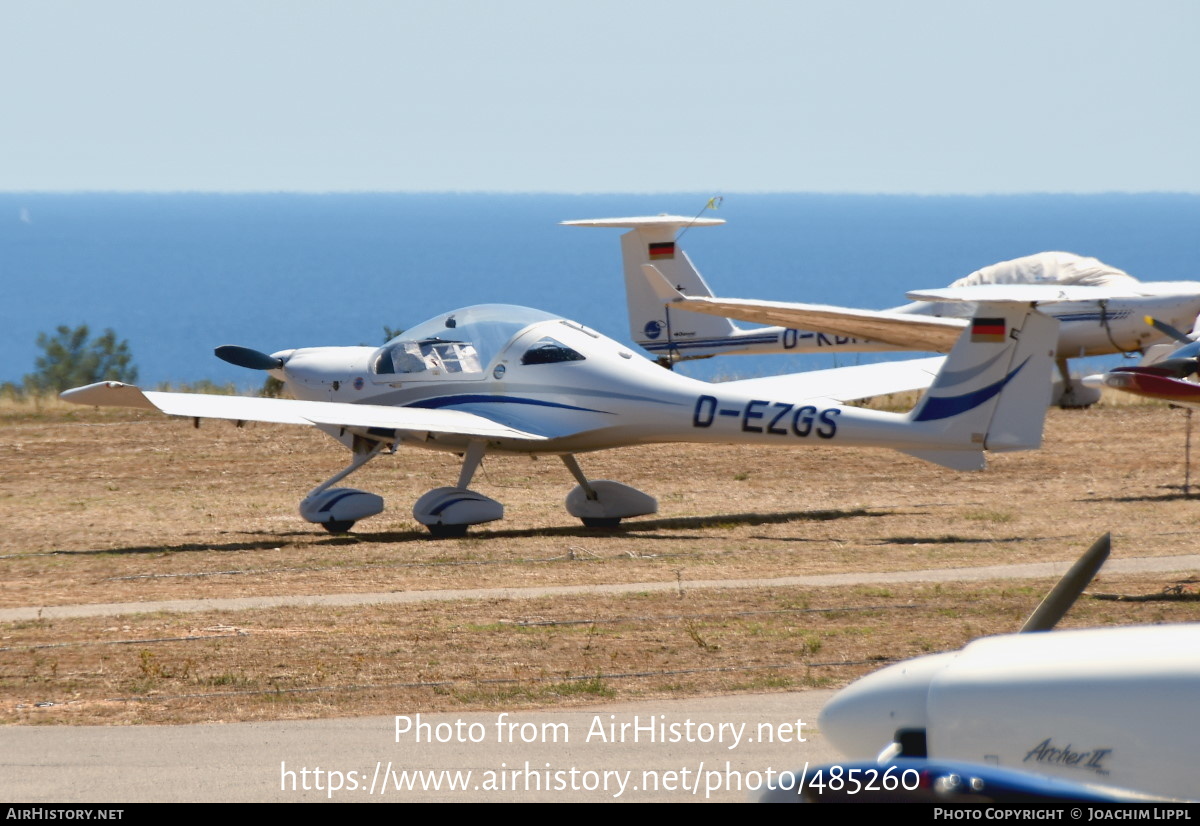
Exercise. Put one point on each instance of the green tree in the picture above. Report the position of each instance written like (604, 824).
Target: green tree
(272, 388)
(70, 359)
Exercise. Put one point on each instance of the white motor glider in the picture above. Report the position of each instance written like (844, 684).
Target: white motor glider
(503, 379)
(674, 315)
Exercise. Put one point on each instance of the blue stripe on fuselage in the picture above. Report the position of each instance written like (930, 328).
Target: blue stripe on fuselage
(692, 344)
(1094, 316)
(454, 401)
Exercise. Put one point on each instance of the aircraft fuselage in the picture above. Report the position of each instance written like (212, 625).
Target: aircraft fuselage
(601, 397)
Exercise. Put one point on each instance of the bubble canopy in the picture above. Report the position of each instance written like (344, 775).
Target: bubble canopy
(460, 341)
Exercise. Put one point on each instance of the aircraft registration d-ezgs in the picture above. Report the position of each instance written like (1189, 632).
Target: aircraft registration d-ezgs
(503, 379)
(674, 315)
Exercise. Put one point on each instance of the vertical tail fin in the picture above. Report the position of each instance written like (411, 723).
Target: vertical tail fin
(994, 387)
(652, 324)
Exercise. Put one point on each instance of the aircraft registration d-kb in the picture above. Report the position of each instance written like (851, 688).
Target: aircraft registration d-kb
(674, 315)
(497, 378)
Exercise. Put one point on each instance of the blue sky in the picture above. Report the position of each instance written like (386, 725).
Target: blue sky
(617, 96)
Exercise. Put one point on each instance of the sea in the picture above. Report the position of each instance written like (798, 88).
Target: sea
(176, 275)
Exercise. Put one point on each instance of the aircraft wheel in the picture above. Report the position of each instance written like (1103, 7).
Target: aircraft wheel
(600, 521)
(447, 531)
(336, 526)
(1076, 396)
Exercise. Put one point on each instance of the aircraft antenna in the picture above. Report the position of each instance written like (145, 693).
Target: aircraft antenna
(714, 203)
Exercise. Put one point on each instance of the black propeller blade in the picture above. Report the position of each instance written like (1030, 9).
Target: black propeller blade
(1063, 595)
(1182, 363)
(1167, 330)
(246, 357)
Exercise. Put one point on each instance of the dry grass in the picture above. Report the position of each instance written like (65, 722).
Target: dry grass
(116, 506)
(304, 663)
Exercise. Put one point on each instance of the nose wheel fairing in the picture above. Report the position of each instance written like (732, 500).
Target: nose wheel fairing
(337, 509)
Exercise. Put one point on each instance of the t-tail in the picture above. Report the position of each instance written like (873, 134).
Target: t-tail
(993, 390)
(671, 334)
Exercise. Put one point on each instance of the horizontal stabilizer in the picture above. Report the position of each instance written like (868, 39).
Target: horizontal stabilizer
(646, 222)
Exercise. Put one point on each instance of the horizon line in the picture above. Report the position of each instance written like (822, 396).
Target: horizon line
(605, 193)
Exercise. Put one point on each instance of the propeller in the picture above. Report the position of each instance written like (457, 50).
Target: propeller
(1063, 595)
(1179, 364)
(1167, 330)
(247, 357)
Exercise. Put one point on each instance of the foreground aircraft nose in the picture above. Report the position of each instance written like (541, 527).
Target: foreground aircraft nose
(866, 716)
(247, 357)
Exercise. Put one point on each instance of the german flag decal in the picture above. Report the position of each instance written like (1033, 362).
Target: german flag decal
(662, 250)
(987, 330)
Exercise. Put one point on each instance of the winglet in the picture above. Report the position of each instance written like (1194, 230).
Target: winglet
(108, 394)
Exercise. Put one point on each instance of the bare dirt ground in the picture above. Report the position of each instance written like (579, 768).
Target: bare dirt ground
(121, 506)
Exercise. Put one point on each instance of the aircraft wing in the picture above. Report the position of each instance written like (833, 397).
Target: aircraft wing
(914, 332)
(845, 384)
(1033, 293)
(291, 411)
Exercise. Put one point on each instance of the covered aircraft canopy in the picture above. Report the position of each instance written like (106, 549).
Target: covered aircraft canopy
(1049, 268)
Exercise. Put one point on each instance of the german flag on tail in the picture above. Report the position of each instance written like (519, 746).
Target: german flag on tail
(662, 250)
(987, 330)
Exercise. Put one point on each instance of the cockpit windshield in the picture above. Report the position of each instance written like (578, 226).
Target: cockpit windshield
(463, 341)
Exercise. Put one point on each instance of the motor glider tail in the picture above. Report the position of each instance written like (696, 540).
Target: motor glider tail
(994, 388)
(653, 240)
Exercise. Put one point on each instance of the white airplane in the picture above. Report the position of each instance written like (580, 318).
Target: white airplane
(1093, 714)
(503, 379)
(674, 315)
